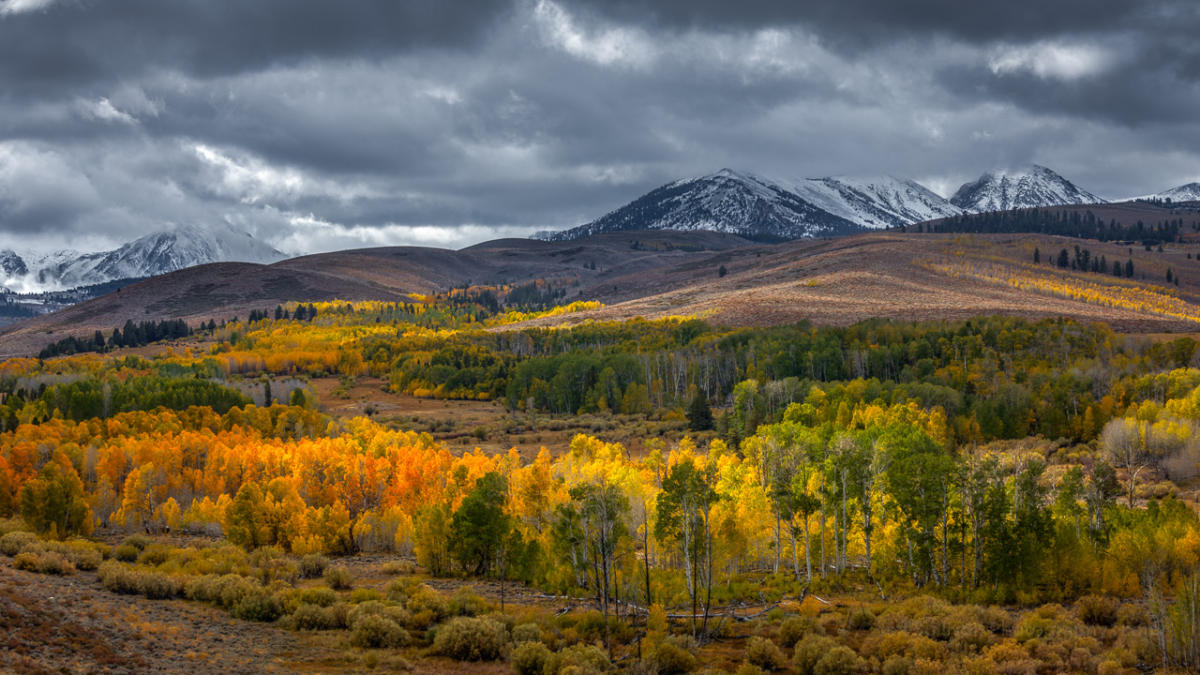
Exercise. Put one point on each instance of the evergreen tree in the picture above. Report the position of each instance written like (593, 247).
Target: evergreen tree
(700, 417)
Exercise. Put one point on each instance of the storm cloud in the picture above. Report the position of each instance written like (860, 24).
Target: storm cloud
(317, 125)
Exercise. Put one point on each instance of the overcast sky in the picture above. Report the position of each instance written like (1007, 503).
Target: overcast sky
(320, 125)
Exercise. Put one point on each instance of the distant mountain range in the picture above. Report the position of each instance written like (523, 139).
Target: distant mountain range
(151, 255)
(1183, 193)
(741, 203)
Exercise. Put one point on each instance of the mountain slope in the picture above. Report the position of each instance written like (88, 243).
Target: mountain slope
(1184, 193)
(151, 255)
(1024, 187)
(879, 202)
(727, 201)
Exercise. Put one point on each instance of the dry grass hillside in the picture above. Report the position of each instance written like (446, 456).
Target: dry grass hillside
(837, 281)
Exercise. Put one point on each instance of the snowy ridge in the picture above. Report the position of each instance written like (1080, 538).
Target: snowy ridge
(1025, 187)
(728, 201)
(1184, 193)
(878, 202)
(151, 255)
(741, 203)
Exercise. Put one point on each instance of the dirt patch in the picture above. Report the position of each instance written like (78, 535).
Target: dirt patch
(72, 625)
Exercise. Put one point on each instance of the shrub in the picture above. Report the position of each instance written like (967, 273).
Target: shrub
(154, 555)
(793, 629)
(398, 590)
(748, 669)
(427, 606)
(26, 561)
(319, 596)
(138, 541)
(591, 627)
(12, 543)
(396, 568)
(672, 659)
(51, 562)
(882, 646)
(359, 595)
(84, 557)
(313, 617)
(226, 590)
(338, 577)
(939, 628)
(530, 658)
(898, 665)
(200, 588)
(971, 637)
(313, 565)
(156, 585)
(117, 578)
(465, 602)
(376, 608)
(860, 618)
(127, 553)
(257, 606)
(765, 654)
(376, 631)
(526, 632)
(471, 639)
(809, 651)
(840, 661)
(1097, 610)
(1132, 615)
(580, 658)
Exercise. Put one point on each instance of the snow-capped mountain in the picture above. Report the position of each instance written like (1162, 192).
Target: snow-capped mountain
(727, 201)
(1183, 193)
(752, 206)
(153, 254)
(877, 202)
(12, 265)
(1025, 187)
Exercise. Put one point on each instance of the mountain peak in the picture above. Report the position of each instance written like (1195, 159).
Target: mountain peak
(1188, 192)
(156, 253)
(745, 204)
(1027, 186)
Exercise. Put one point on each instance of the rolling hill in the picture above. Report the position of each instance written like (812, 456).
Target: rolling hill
(890, 275)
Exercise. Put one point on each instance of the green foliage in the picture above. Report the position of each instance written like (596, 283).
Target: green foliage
(700, 417)
(54, 503)
(480, 525)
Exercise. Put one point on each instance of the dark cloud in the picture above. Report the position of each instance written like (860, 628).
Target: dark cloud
(73, 43)
(317, 125)
(845, 20)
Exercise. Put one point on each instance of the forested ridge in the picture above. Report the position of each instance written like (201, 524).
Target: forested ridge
(991, 461)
